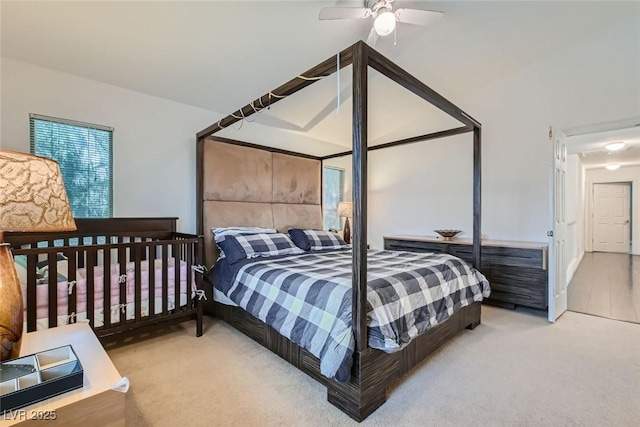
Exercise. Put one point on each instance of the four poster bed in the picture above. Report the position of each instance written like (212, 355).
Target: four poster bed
(244, 184)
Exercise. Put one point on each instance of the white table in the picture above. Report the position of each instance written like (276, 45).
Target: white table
(95, 404)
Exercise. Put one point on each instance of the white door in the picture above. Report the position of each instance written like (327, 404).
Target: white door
(611, 217)
(557, 247)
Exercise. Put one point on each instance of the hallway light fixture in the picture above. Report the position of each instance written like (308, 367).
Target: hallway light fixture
(612, 167)
(615, 146)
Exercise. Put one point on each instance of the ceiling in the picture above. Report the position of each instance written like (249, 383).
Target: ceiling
(221, 55)
(592, 151)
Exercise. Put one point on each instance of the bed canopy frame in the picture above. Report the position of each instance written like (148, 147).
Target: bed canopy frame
(373, 370)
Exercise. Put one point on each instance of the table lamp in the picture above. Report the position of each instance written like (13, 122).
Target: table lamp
(345, 210)
(32, 198)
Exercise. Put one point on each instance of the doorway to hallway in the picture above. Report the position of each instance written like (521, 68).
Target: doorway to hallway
(607, 285)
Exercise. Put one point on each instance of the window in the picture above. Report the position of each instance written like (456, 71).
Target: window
(85, 154)
(333, 191)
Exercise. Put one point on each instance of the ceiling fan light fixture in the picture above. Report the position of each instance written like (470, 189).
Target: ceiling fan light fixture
(612, 166)
(385, 23)
(615, 146)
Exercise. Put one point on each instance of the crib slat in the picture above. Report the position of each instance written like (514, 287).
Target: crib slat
(138, 282)
(153, 247)
(165, 278)
(72, 302)
(197, 260)
(176, 279)
(53, 289)
(106, 296)
(32, 305)
(189, 260)
(80, 255)
(91, 294)
(146, 248)
(122, 280)
(130, 254)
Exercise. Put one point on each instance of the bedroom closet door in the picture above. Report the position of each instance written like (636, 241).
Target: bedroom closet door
(557, 247)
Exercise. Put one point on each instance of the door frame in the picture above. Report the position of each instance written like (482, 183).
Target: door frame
(590, 188)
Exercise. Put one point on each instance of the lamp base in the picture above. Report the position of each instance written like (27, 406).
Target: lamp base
(11, 309)
(346, 234)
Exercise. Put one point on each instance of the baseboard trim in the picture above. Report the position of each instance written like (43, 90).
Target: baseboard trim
(573, 267)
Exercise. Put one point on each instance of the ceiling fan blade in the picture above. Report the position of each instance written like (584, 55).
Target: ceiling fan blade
(344, 13)
(417, 16)
(373, 38)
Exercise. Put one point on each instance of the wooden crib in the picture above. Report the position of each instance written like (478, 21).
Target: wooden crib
(119, 274)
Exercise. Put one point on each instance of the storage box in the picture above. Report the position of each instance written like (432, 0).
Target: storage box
(30, 379)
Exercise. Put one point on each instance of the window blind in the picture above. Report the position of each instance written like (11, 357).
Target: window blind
(85, 154)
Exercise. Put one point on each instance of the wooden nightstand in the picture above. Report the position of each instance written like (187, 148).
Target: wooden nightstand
(95, 404)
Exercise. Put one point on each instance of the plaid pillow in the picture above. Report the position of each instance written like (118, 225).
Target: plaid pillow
(316, 240)
(239, 247)
(219, 234)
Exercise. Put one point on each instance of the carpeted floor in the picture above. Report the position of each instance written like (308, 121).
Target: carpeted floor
(513, 370)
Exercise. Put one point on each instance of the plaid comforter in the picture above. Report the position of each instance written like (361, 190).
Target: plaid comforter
(307, 298)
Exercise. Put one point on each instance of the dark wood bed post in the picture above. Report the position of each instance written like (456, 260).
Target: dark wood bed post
(199, 190)
(366, 389)
(359, 159)
(477, 191)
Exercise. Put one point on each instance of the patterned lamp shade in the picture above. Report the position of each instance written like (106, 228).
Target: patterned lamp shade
(345, 209)
(32, 198)
(32, 194)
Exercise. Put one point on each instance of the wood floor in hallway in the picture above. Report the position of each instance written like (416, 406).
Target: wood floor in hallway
(607, 285)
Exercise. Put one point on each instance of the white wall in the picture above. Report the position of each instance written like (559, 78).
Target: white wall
(154, 145)
(624, 174)
(420, 187)
(575, 207)
(413, 189)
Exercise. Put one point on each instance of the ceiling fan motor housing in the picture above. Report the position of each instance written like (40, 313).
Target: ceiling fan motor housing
(379, 6)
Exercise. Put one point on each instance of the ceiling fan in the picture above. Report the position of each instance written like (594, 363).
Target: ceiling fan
(384, 17)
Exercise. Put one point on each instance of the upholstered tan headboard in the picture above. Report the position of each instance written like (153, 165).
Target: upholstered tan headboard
(246, 186)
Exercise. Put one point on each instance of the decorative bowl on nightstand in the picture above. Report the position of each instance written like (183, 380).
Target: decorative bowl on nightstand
(448, 234)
